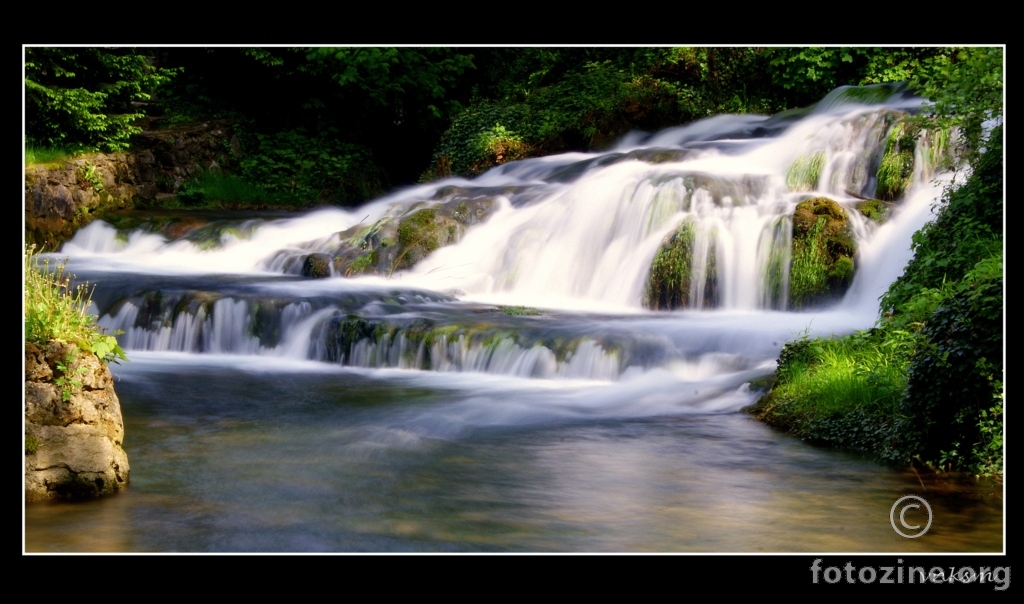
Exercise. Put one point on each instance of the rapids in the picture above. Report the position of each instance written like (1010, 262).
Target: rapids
(262, 394)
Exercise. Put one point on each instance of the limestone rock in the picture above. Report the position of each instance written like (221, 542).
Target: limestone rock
(73, 426)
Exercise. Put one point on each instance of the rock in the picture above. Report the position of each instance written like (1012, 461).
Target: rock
(316, 266)
(823, 248)
(73, 426)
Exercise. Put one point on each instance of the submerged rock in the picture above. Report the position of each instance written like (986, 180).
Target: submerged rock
(73, 426)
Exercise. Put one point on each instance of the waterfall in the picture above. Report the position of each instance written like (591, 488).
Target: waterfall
(571, 236)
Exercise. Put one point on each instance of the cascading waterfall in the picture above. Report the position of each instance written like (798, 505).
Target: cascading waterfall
(511, 387)
(576, 232)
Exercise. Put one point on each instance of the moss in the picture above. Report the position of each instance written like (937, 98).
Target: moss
(897, 163)
(519, 311)
(31, 444)
(316, 266)
(363, 264)
(775, 269)
(822, 253)
(873, 209)
(668, 283)
(803, 174)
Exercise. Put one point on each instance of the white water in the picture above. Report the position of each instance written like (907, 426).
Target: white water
(577, 248)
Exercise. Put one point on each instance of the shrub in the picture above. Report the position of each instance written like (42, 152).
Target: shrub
(56, 311)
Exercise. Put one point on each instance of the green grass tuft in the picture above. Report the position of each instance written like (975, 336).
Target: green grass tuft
(56, 311)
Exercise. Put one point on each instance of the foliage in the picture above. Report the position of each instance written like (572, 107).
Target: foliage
(948, 413)
(214, 189)
(35, 154)
(85, 96)
(808, 273)
(966, 87)
(897, 163)
(376, 99)
(840, 391)
(54, 311)
(309, 169)
(67, 382)
(967, 230)
(465, 148)
(87, 174)
(804, 172)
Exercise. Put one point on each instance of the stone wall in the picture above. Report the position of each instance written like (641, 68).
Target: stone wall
(60, 199)
(73, 446)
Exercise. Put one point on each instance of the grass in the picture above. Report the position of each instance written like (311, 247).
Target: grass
(56, 311)
(808, 275)
(51, 155)
(844, 392)
(210, 189)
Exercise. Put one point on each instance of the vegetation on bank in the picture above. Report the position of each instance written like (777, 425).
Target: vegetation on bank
(926, 384)
(56, 311)
(340, 125)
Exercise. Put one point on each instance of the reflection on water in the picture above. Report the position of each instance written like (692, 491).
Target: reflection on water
(334, 461)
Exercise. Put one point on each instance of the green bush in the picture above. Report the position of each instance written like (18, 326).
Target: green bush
(951, 413)
(311, 169)
(216, 189)
(54, 311)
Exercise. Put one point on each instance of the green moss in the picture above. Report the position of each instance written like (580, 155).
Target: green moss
(316, 266)
(804, 173)
(897, 163)
(519, 311)
(822, 252)
(668, 283)
(363, 264)
(775, 269)
(31, 444)
(873, 209)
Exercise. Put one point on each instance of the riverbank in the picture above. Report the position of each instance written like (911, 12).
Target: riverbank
(925, 386)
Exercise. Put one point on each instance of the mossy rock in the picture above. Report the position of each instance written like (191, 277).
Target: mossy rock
(668, 283)
(823, 248)
(897, 164)
(873, 209)
(803, 174)
(398, 242)
(316, 266)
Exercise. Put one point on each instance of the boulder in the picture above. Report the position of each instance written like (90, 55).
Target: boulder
(73, 425)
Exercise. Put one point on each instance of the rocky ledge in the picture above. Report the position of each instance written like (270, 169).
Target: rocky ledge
(73, 426)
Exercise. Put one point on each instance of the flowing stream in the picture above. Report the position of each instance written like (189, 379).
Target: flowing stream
(510, 391)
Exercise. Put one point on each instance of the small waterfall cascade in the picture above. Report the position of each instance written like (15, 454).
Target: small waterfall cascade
(545, 264)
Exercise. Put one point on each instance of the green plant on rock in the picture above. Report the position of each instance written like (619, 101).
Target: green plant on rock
(897, 163)
(54, 311)
(668, 283)
(803, 174)
(821, 264)
(520, 311)
(31, 444)
(808, 273)
(68, 382)
(88, 174)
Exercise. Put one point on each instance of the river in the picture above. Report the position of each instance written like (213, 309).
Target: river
(509, 392)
